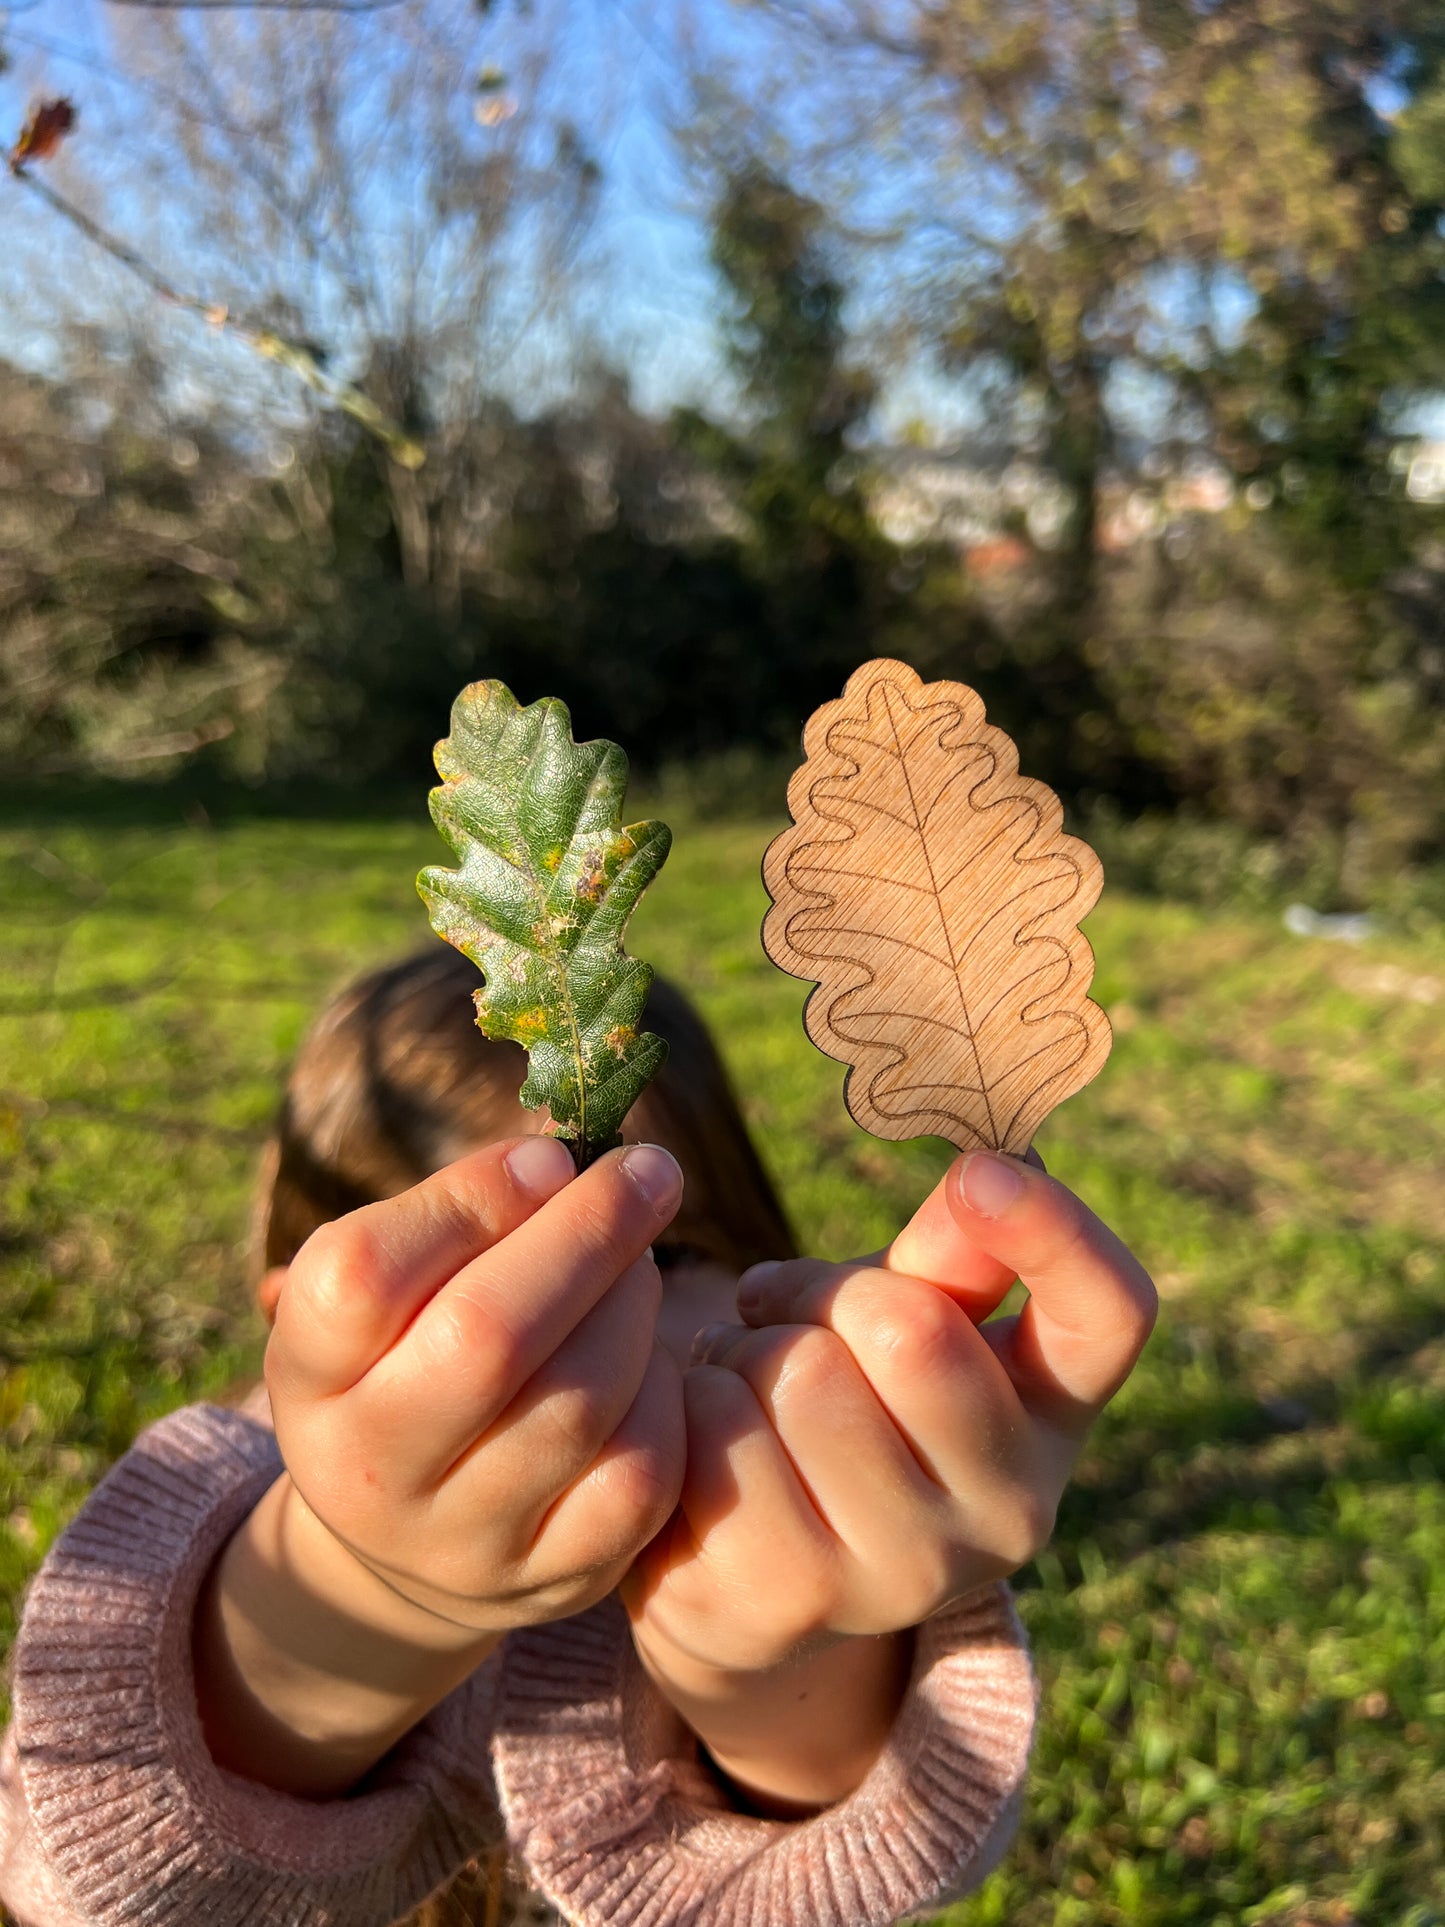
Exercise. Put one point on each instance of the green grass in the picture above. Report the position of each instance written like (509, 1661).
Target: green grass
(1239, 1626)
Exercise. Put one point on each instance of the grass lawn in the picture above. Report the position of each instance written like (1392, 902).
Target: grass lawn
(1241, 1624)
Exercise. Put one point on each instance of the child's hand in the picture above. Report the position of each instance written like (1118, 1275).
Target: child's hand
(466, 1385)
(860, 1453)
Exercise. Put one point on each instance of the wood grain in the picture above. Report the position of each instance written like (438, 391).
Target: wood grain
(929, 891)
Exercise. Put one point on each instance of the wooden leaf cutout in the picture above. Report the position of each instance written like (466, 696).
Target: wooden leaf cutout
(930, 893)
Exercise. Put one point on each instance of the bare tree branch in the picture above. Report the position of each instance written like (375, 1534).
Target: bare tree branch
(402, 447)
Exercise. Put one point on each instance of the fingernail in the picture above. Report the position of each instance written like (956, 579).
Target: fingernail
(989, 1184)
(710, 1336)
(540, 1166)
(753, 1280)
(656, 1174)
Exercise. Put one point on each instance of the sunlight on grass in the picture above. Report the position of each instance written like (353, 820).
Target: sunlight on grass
(1239, 1626)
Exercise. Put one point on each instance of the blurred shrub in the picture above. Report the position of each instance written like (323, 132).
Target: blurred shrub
(1307, 717)
(119, 584)
(167, 599)
(740, 784)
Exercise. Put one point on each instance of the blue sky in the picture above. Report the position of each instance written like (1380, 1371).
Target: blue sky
(649, 294)
(645, 295)
(652, 297)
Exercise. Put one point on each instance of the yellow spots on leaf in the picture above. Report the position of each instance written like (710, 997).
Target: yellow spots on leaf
(493, 806)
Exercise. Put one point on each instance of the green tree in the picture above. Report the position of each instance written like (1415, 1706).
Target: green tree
(1307, 403)
(793, 470)
(1333, 730)
(1167, 228)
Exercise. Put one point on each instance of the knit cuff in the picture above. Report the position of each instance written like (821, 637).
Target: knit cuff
(621, 1825)
(126, 1805)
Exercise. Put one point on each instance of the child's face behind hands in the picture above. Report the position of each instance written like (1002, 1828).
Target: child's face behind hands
(696, 1292)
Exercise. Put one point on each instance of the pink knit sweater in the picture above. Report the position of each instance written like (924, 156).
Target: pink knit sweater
(112, 1811)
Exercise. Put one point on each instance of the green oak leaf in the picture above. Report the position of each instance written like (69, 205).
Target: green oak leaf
(548, 879)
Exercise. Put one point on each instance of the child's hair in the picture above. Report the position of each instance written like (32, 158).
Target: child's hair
(395, 1080)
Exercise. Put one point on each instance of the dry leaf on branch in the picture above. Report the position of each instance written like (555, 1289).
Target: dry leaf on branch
(929, 891)
(46, 126)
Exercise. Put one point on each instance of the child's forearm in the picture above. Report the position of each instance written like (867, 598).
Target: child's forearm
(801, 1735)
(309, 1667)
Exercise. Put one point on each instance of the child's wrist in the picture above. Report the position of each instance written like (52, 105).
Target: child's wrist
(300, 1544)
(309, 1667)
(684, 1668)
(799, 1733)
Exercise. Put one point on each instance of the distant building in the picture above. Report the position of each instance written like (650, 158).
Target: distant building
(974, 502)
(1423, 464)
(939, 495)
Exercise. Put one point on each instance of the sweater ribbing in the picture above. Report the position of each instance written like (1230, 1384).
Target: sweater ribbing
(112, 1810)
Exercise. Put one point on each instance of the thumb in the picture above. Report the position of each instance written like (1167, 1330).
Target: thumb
(935, 1245)
(1091, 1304)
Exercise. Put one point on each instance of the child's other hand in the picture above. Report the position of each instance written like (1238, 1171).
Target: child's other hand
(860, 1452)
(466, 1385)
